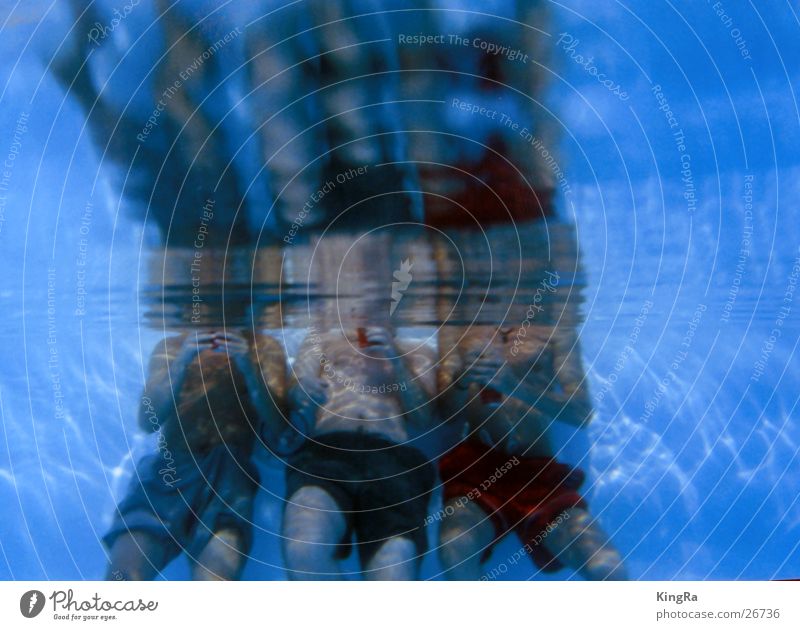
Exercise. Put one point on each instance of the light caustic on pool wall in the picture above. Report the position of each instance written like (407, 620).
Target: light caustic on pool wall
(626, 352)
(672, 374)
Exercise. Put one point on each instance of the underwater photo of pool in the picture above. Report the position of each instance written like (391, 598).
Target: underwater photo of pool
(399, 290)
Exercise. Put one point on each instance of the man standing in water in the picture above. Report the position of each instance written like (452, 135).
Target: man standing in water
(209, 397)
(364, 402)
(503, 476)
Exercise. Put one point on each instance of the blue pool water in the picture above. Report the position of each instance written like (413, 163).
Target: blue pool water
(690, 344)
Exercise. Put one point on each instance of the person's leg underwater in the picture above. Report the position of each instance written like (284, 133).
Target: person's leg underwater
(396, 559)
(580, 544)
(137, 555)
(223, 558)
(313, 528)
(465, 534)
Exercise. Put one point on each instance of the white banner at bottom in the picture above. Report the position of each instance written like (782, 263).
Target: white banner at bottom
(390, 605)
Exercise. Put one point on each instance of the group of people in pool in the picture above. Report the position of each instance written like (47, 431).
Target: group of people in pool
(350, 419)
(443, 133)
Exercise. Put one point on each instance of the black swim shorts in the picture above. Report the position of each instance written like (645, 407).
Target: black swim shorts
(186, 500)
(381, 487)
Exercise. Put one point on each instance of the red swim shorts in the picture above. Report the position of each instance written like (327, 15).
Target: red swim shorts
(523, 494)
